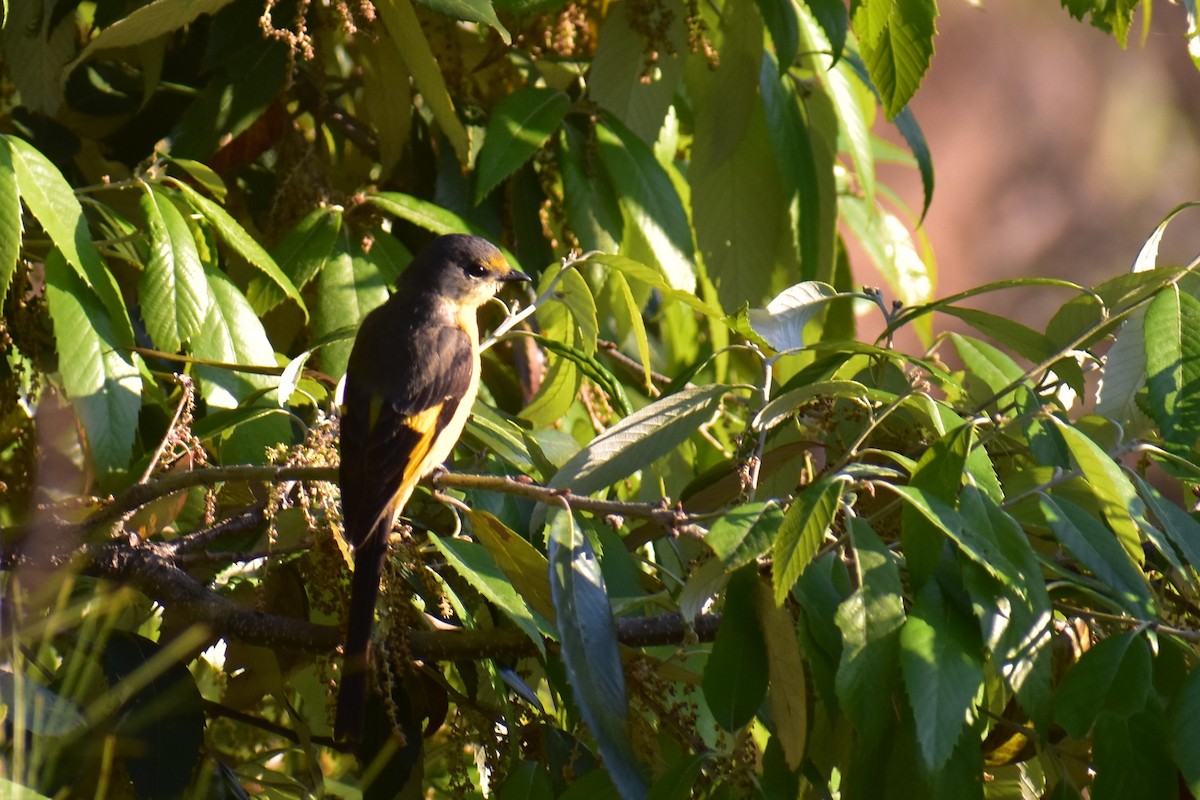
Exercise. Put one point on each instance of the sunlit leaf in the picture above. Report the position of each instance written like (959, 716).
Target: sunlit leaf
(521, 123)
(10, 221)
(173, 290)
(803, 529)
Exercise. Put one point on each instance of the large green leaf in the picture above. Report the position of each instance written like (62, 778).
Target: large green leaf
(99, 372)
(1132, 758)
(942, 664)
(348, 288)
(939, 472)
(301, 254)
(590, 649)
(473, 10)
(650, 203)
(232, 334)
(173, 291)
(1181, 528)
(10, 221)
(1112, 676)
(735, 676)
(788, 698)
(591, 204)
(897, 44)
(803, 529)
(1172, 341)
(870, 621)
(639, 439)
(521, 123)
(473, 562)
(1185, 745)
(1115, 495)
(744, 533)
(525, 567)
(50, 198)
(234, 235)
(1094, 545)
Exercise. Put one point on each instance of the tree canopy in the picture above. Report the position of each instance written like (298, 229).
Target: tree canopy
(701, 537)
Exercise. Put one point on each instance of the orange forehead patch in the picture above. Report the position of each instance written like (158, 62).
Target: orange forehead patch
(499, 263)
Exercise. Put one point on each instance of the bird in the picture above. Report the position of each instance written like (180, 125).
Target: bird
(410, 383)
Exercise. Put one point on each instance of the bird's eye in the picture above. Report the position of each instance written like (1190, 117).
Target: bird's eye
(477, 270)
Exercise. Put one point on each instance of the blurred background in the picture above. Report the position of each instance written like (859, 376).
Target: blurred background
(1056, 153)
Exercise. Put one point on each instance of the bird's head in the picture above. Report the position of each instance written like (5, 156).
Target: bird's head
(467, 270)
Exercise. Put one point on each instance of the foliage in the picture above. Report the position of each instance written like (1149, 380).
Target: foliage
(702, 540)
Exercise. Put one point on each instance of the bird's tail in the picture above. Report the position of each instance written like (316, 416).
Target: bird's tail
(364, 588)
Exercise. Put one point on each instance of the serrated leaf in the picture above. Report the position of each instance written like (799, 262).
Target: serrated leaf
(736, 673)
(99, 372)
(1180, 527)
(234, 235)
(526, 568)
(53, 203)
(834, 21)
(233, 334)
(474, 563)
(898, 47)
(348, 288)
(788, 693)
(649, 202)
(942, 665)
(870, 620)
(400, 19)
(889, 245)
(173, 291)
(301, 254)
(744, 533)
(521, 124)
(1115, 496)
(804, 527)
(1172, 337)
(590, 649)
(1113, 675)
(782, 322)
(1099, 551)
(473, 10)
(10, 222)
(202, 174)
(1124, 371)
(638, 440)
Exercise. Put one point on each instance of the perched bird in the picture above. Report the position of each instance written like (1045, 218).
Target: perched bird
(410, 384)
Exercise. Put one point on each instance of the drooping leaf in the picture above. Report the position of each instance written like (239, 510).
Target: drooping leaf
(521, 123)
(782, 322)
(1172, 340)
(1180, 527)
(98, 370)
(803, 529)
(870, 620)
(788, 693)
(173, 290)
(590, 649)
(782, 24)
(10, 221)
(528, 781)
(234, 235)
(650, 203)
(942, 664)
(526, 568)
(834, 21)
(473, 562)
(735, 676)
(1112, 676)
(897, 47)
(53, 203)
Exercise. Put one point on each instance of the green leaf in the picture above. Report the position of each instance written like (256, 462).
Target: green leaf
(1179, 526)
(1094, 545)
(679, 780)
(889, 245)
(649, 203)
(591, 204)
(1115, 495)
(472, 10)
(50, 198)
(744, 533)
(942, 665)
(1132, 758)
(650, 276)
(234, 235)
(232, 333)
(854, 129)
(99, 372)
(590, 649)
(735, 676)
(301, 254)
(783, 25)
(473, 562)
(529, 780)
(400, 19)
(782, 322)
(939, 472)
(520, 125)
(803, 529)
(1185, 745)
(526, 568)
(348, 288)
(1113, 675)
(144, 24)
(1147, 257)
(10, 222)
(639, 439)
(629, 315)
(897, 47)
(173, 291)
(986, 364)
(623, 81)
(870, 620)
(1172, 340)
(202, 174)
(430, 216)
(1123, 373)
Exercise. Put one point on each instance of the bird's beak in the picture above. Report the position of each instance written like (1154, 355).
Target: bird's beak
(514, 275)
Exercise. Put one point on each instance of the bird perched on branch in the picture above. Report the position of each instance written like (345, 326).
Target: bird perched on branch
(410, 384)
